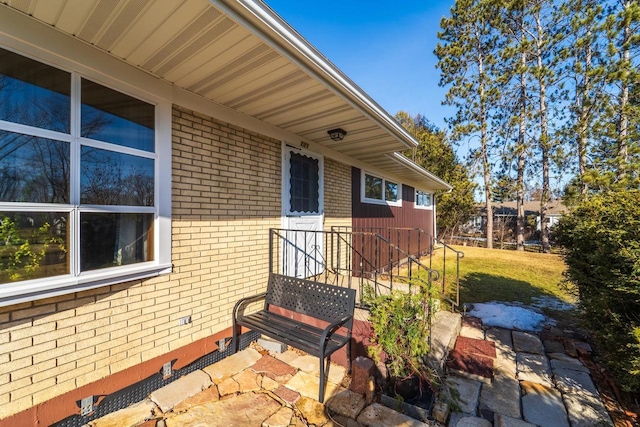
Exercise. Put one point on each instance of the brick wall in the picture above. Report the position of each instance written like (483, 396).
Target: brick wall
(337, 201)
(337, 193)
(226, 194)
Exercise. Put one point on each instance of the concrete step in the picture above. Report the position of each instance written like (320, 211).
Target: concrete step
(444, 331)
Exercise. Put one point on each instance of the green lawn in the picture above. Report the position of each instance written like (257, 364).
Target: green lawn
(503, 275)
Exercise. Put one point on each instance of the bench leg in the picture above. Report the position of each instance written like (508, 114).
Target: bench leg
(322, 380)
(235, 340)
(349, 357)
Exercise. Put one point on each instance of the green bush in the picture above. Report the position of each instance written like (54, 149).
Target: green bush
(602, 241)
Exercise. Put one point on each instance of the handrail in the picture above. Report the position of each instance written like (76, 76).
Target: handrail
(459, 256)
(413, 238)
(363, 254)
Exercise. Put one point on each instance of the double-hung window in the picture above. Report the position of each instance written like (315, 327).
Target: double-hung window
(423, 200)
(78, 181)
(380, 190)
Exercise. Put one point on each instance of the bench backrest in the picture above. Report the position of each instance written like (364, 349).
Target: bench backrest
(315, 299)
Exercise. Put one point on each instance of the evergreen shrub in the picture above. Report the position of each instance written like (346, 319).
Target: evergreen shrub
(601, 237)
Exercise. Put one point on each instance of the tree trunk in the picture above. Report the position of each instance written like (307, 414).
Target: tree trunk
(484, 143)
(544, 139)
(582, 98)
(520, 219)
(623, 124)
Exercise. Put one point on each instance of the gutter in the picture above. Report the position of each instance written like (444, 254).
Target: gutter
(281, 36)
(419, 169)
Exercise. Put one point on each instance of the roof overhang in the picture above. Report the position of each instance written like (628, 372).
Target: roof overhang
(413, 173)
(241, 56)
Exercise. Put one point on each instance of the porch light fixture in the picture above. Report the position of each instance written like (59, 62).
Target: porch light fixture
(337, 134)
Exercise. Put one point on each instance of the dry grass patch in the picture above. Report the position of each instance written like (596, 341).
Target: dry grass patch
(502, 275)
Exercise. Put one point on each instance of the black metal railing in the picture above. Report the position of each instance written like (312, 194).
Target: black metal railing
(385, 259)
(435, 254)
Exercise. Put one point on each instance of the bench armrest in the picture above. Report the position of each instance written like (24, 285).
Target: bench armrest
(244, 302)
(332, 328)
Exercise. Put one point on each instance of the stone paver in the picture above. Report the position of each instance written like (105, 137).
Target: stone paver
(228, 386)
(377, 415)
(570, 381)
(586, 411)
(231, 365)
(466, 420)
(131, 416)
(189, 385)
(473, 366)
(463, 394)
(543, 406)
(553, 345)
(205, 396)
(500, 336)
(534, 368)
(269, 384)
(311, 364)
(282, 418)
(308, 385)
(471, 332)
(501, 396)
(286, 394)
(505, 363)
(248, 380)
(287, 357)
(249, 409)
(527, 343)
(504, 421)
(476, 346)
(274, 368)
(573, 364)
(347, 403)
(312, 411)
(444, 330)
(307, 363)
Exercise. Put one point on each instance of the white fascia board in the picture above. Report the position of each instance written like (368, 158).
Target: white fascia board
(442, 185)
(27, 35)
(294, 47)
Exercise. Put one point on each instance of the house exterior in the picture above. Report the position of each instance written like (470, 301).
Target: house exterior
(505, 215)
(146, 149)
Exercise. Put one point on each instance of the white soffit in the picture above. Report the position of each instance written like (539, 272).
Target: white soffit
(236, 53)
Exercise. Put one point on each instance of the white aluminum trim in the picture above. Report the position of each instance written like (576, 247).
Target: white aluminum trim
(37, 289)
(408, 164)
(383, 202)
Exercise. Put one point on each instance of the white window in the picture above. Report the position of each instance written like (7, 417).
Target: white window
(80, 196)
(423, 200)
(380, 190)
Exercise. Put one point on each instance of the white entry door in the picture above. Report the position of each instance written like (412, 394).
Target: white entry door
(303, 249)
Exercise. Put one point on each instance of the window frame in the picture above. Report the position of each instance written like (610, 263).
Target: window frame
(419, 206)
(383, 201)
(35, 289)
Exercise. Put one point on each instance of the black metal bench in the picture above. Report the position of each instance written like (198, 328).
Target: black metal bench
(330, 304)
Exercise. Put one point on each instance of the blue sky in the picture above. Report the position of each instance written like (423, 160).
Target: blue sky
(385, 47)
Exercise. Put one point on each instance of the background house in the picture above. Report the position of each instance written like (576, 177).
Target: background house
(505, 215)
(146, 150)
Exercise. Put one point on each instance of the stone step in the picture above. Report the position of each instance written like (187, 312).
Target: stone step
(445, 328)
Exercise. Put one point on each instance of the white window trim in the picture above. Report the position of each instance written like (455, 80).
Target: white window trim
(415, 200)
(365, 199)
(36, 289)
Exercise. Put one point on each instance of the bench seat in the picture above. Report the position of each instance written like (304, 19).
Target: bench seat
(324, 323)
